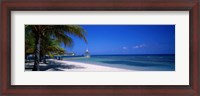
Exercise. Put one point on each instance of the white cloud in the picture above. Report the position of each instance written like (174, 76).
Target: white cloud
(140, 46)
(136, 47)
(124, 48)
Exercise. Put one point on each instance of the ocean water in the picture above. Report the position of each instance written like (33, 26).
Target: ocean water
(164, 62)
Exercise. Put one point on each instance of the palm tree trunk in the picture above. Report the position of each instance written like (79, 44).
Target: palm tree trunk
(36, 66)
(44, 59)
(41, 56)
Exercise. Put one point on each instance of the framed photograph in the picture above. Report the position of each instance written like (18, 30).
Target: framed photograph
(120, 47)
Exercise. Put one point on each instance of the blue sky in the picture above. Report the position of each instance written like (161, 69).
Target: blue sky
(126, 39)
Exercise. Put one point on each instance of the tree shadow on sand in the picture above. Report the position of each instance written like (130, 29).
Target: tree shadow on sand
(54, 67)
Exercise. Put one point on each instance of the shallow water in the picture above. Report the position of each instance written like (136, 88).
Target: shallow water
(132, 62)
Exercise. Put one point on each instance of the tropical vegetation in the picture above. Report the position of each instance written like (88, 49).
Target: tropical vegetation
(42, 40)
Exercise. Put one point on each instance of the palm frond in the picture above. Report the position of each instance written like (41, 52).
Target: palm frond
(76, 31)
(52, 36)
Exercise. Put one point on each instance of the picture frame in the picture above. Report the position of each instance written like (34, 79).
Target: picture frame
(96, 5)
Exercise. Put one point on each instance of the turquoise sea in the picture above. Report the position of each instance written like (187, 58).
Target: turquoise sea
(155, 62)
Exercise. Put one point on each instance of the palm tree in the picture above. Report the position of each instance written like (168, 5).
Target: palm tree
(50, 47)
(59, 32)
(29, 43)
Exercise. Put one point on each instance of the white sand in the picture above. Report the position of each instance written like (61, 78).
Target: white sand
(77, 67)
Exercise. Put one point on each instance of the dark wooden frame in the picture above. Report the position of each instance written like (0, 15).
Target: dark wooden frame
(193, 89)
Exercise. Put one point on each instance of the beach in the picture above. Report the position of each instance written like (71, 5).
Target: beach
(71, 66)
(110, 63)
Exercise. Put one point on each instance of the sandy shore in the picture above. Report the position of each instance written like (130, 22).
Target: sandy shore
(77, 66)
(59, 65)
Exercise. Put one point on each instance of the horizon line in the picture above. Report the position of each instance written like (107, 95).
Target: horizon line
(127, 54)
